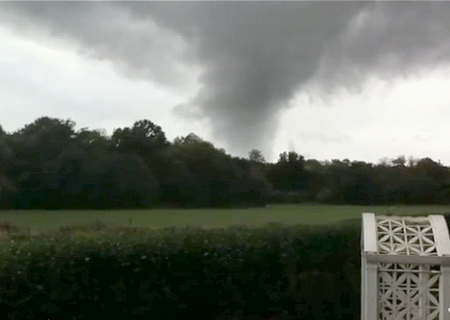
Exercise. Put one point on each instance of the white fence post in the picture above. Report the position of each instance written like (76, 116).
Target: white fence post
(405, 268)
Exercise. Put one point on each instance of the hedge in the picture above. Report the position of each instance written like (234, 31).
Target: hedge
(298, 272)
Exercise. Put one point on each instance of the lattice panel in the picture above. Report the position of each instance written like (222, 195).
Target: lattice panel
(405, 235)
(408, 292)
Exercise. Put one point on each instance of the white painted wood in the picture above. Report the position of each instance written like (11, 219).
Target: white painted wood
(371, 292)
(441, 235)
(405, 265)
(423, 301)
(370, 235)
(363, 287)
(423, 260)
(444, 293)
(363, 274)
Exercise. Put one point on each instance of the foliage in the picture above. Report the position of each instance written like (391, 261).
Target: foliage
(256, 155)
(126, 273)
(49, 165)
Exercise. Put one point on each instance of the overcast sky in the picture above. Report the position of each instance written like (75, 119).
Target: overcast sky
(357, 80)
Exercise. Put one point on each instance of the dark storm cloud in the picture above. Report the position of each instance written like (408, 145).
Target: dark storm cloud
(254, 56)
(388, 40)
(137, 47)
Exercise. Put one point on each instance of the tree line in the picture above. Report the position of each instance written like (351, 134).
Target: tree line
(48, 164)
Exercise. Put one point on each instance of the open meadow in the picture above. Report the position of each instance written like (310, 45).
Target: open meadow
(210, 218)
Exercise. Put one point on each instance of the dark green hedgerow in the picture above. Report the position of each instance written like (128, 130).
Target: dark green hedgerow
(235, 273)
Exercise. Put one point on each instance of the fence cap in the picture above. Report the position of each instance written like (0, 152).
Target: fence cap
(424, 236)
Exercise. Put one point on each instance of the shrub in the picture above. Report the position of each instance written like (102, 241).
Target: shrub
(239, 272)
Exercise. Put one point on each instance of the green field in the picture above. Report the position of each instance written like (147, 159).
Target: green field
(294, 214)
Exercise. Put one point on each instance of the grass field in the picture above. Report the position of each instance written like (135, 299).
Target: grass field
(289, 214)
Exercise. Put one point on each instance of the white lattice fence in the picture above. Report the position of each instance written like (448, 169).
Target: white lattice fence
(405, 268)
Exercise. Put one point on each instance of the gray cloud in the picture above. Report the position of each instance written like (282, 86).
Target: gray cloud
(137, 47)
(322, 137)
(254, 56)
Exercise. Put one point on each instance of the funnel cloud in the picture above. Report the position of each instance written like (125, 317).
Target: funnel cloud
(250, 58)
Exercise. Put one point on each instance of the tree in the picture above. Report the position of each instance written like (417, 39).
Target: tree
(217, 179)
(400, 161)
(35, 146)
(95, 142)
(143, 137)
(210, 172)
(72, 181)
(127, 182)
(256, 156)
(289, 174)
(48, 165)
(8, 189)
(43, 140)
